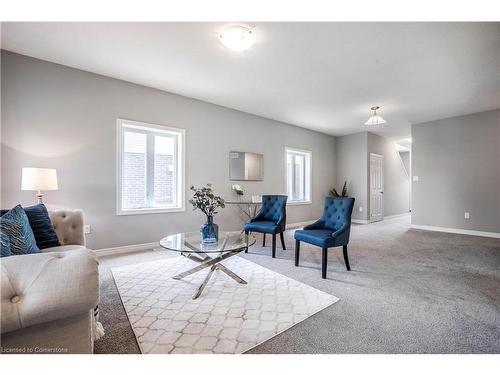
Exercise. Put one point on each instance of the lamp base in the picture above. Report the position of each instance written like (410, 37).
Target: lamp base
(39, 196)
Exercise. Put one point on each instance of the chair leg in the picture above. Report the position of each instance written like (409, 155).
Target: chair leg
(324, 262)
(297, 252)
(274, 246)
(246, 238)
(282, 241)
(263, 240)
(346, 258)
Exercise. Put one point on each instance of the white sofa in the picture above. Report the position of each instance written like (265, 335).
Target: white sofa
(48, 299)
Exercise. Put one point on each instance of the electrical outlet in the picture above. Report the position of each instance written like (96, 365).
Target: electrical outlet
(86, 229)
(466, 215)
(415, 178)
(360, 209)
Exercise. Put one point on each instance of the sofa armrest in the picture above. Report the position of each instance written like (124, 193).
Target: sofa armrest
(68, 225)
(39, 288)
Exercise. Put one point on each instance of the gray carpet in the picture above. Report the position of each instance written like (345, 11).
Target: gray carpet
(409, 291)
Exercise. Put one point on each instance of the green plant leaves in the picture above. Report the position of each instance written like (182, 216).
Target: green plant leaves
(334, 192)
(205, 200)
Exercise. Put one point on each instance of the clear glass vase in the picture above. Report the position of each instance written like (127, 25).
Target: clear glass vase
(209, 231)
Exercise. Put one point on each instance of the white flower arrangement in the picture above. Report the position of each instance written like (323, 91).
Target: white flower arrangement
(238, 189)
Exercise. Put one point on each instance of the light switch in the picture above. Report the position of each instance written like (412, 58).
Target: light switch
(360, 209)
(86, 229)
(415, 178)
(466, 215)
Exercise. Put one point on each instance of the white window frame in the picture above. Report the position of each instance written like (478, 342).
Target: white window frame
(181, 165)
(308, 176)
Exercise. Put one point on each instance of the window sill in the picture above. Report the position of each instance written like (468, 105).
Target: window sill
(148, 211)
(298, 203)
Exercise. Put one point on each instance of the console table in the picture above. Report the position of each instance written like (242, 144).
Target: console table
(249, 208)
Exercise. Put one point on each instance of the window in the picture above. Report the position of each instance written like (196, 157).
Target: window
(298, 176)
(150, 168)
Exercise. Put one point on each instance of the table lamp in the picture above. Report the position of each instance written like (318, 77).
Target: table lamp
(39, 179)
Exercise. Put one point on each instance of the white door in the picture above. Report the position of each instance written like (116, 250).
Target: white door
(376, 187)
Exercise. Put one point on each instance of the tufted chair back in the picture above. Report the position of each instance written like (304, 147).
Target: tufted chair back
(273, 208)
(337, 212)
(68, 225)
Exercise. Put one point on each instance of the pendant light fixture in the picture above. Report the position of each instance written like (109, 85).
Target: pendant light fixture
(375, 120)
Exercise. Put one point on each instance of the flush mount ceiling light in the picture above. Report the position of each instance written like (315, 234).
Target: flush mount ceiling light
(237, 38)
(375, 120)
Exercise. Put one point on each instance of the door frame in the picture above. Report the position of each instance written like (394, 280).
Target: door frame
(370, 186)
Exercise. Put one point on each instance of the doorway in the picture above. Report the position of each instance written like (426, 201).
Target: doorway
(376, 187)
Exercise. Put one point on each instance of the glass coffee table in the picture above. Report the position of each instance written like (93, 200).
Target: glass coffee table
(208, 255)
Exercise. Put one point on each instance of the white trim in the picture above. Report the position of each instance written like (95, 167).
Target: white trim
(456, 230)
(152, 245)
(299, 224)
(145, 211)
(297, 203)
(396, 216)
(308, 173)
(126, 249)
(360, 221)
(181, 184)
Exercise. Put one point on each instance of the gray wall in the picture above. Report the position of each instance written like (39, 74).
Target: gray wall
(351, 166)
(56, 116)
(396, 182)
(457, 161)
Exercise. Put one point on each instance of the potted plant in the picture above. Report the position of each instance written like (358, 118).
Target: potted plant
(334, 192)
(207, 202)
(238, 190)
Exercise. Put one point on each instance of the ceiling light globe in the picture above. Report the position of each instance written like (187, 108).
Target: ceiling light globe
(237, 38)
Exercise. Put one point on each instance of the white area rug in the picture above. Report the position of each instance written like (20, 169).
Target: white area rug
(227, 318)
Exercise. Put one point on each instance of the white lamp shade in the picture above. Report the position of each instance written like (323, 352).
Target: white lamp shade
(375, 120)
(39, 179)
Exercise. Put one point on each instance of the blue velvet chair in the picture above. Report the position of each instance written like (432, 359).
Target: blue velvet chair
(331, 230)
(271, 219)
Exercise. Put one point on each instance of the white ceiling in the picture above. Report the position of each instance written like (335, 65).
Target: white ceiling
(322, 76)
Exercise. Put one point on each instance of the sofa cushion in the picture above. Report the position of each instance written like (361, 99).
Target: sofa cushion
(40, 288)
(62, 248)
(5, 245)
(16, 226)
(68, 225)
(42, 227)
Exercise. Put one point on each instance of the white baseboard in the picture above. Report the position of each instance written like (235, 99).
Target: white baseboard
(360, 221)
(396, 216)
(126, 249)
(152, 245)
(300, 224)
(457, 231)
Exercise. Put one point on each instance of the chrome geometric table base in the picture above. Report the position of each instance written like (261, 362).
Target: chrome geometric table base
(214, 264)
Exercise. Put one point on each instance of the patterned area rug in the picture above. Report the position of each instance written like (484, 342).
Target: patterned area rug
(227, 318)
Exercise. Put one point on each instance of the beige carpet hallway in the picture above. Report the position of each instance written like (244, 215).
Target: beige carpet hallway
(409, 291)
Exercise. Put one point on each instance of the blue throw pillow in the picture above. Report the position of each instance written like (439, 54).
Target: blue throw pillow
(42, 227)
(16, 226)
(5, 245)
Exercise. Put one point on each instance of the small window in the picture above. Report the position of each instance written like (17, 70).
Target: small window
(150, 168)
(298, 176)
